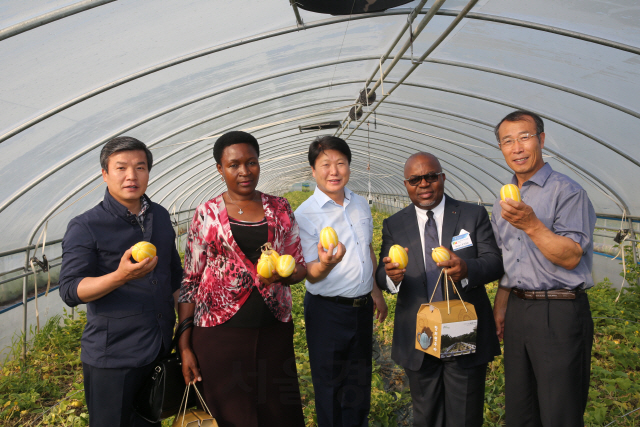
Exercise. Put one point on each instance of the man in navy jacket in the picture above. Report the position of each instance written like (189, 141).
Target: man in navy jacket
(130, 306)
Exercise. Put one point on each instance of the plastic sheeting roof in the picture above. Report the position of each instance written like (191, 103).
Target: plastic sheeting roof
(172, 72)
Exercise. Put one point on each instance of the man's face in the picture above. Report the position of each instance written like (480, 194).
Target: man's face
(525, 158)
(331, 172)
(128, 176)
(425, 195)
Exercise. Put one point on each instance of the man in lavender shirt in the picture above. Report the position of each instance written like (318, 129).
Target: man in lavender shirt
(541, 308)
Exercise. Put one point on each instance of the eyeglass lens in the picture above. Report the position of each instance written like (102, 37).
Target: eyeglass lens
(430, 177)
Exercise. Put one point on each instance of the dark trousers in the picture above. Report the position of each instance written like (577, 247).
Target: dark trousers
(110, 393)
(445, 394)
(547, 359)
(339, 340)
(249, 376)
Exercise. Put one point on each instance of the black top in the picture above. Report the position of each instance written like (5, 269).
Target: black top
(250, 236)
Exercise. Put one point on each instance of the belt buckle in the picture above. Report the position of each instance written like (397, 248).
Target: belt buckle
(359, 302)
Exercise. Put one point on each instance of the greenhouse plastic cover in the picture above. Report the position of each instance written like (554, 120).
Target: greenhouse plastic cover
(173, 72)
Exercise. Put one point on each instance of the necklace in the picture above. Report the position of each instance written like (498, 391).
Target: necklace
(240, 211)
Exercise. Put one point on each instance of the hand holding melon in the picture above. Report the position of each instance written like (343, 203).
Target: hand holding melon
(285, 265)
(440, 254)
(510, 191)
(398, 255)
(328, 236)
(329, 239)
(270, 260)
(143, 250)
(265, 267)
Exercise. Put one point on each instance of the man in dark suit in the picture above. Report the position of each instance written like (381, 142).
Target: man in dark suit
(447, 392)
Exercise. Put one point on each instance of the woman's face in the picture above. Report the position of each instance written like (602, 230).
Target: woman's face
(240, 168)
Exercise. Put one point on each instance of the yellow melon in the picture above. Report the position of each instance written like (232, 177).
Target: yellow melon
(510, 191)
(440, 254)
(270, 254)
(268, 251)
(265, 267)
(143, 250)
(399, 255)
(285, 265)
(328, 236)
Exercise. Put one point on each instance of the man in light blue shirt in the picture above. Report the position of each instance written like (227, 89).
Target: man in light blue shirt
(341, 293)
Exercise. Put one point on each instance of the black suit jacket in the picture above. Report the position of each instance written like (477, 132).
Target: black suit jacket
(484, 264)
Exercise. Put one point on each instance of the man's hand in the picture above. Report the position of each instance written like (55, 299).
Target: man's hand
(500, 310)
(328, 258)
(380, 309)
(519, 214)
(128, 271)
(392, 269)
(456, 267)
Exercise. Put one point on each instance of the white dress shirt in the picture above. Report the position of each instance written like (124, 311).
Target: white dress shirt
(421, 214)
(353, 276)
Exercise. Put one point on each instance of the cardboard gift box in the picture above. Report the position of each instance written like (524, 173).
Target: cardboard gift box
(194, 418)
(447, 329)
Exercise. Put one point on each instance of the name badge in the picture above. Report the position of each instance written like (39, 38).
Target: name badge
(460, 242)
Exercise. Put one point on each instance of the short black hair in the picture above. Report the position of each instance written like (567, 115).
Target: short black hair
(327, 142)
(518, 115)
(232, 138)
(123, 143)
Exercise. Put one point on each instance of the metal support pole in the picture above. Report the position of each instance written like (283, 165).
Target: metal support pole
(47, 18)
(296, 12)
(634, 249)
(24, 318)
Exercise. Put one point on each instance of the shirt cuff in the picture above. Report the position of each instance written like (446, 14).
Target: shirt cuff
(393, 288)
(464, 282)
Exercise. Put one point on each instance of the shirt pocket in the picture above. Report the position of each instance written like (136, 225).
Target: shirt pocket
(364, 230)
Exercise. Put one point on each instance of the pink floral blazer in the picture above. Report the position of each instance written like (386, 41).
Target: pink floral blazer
(218, 277)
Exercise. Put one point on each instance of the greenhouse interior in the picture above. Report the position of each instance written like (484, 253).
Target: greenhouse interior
(390, 77)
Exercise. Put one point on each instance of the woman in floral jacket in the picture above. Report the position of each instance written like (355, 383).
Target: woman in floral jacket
(241, 347)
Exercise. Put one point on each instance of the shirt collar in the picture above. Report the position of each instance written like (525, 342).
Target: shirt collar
(539, 177)
(322, 198)
(144, 207)
(438, 211)
(119, 209)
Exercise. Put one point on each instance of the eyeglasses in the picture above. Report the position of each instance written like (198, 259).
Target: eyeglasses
(430, 177)
(522, 139)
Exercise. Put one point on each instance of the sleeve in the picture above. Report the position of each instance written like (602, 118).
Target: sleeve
(487, 265)
(309, 237)
(176, 268)
(79, 260)
(494, 225)
(573, 218)
(292, 244)
(387, 242)
(195, 258)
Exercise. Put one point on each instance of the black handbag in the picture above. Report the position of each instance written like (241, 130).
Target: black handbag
(162, 392)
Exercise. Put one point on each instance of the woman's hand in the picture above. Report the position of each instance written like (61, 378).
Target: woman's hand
(286, 281)
(190, 370)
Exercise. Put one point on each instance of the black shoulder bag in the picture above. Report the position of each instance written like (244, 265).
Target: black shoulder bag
(162, 392)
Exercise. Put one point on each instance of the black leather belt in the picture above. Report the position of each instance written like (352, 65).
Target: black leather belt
(354, 302)
(549, 294)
